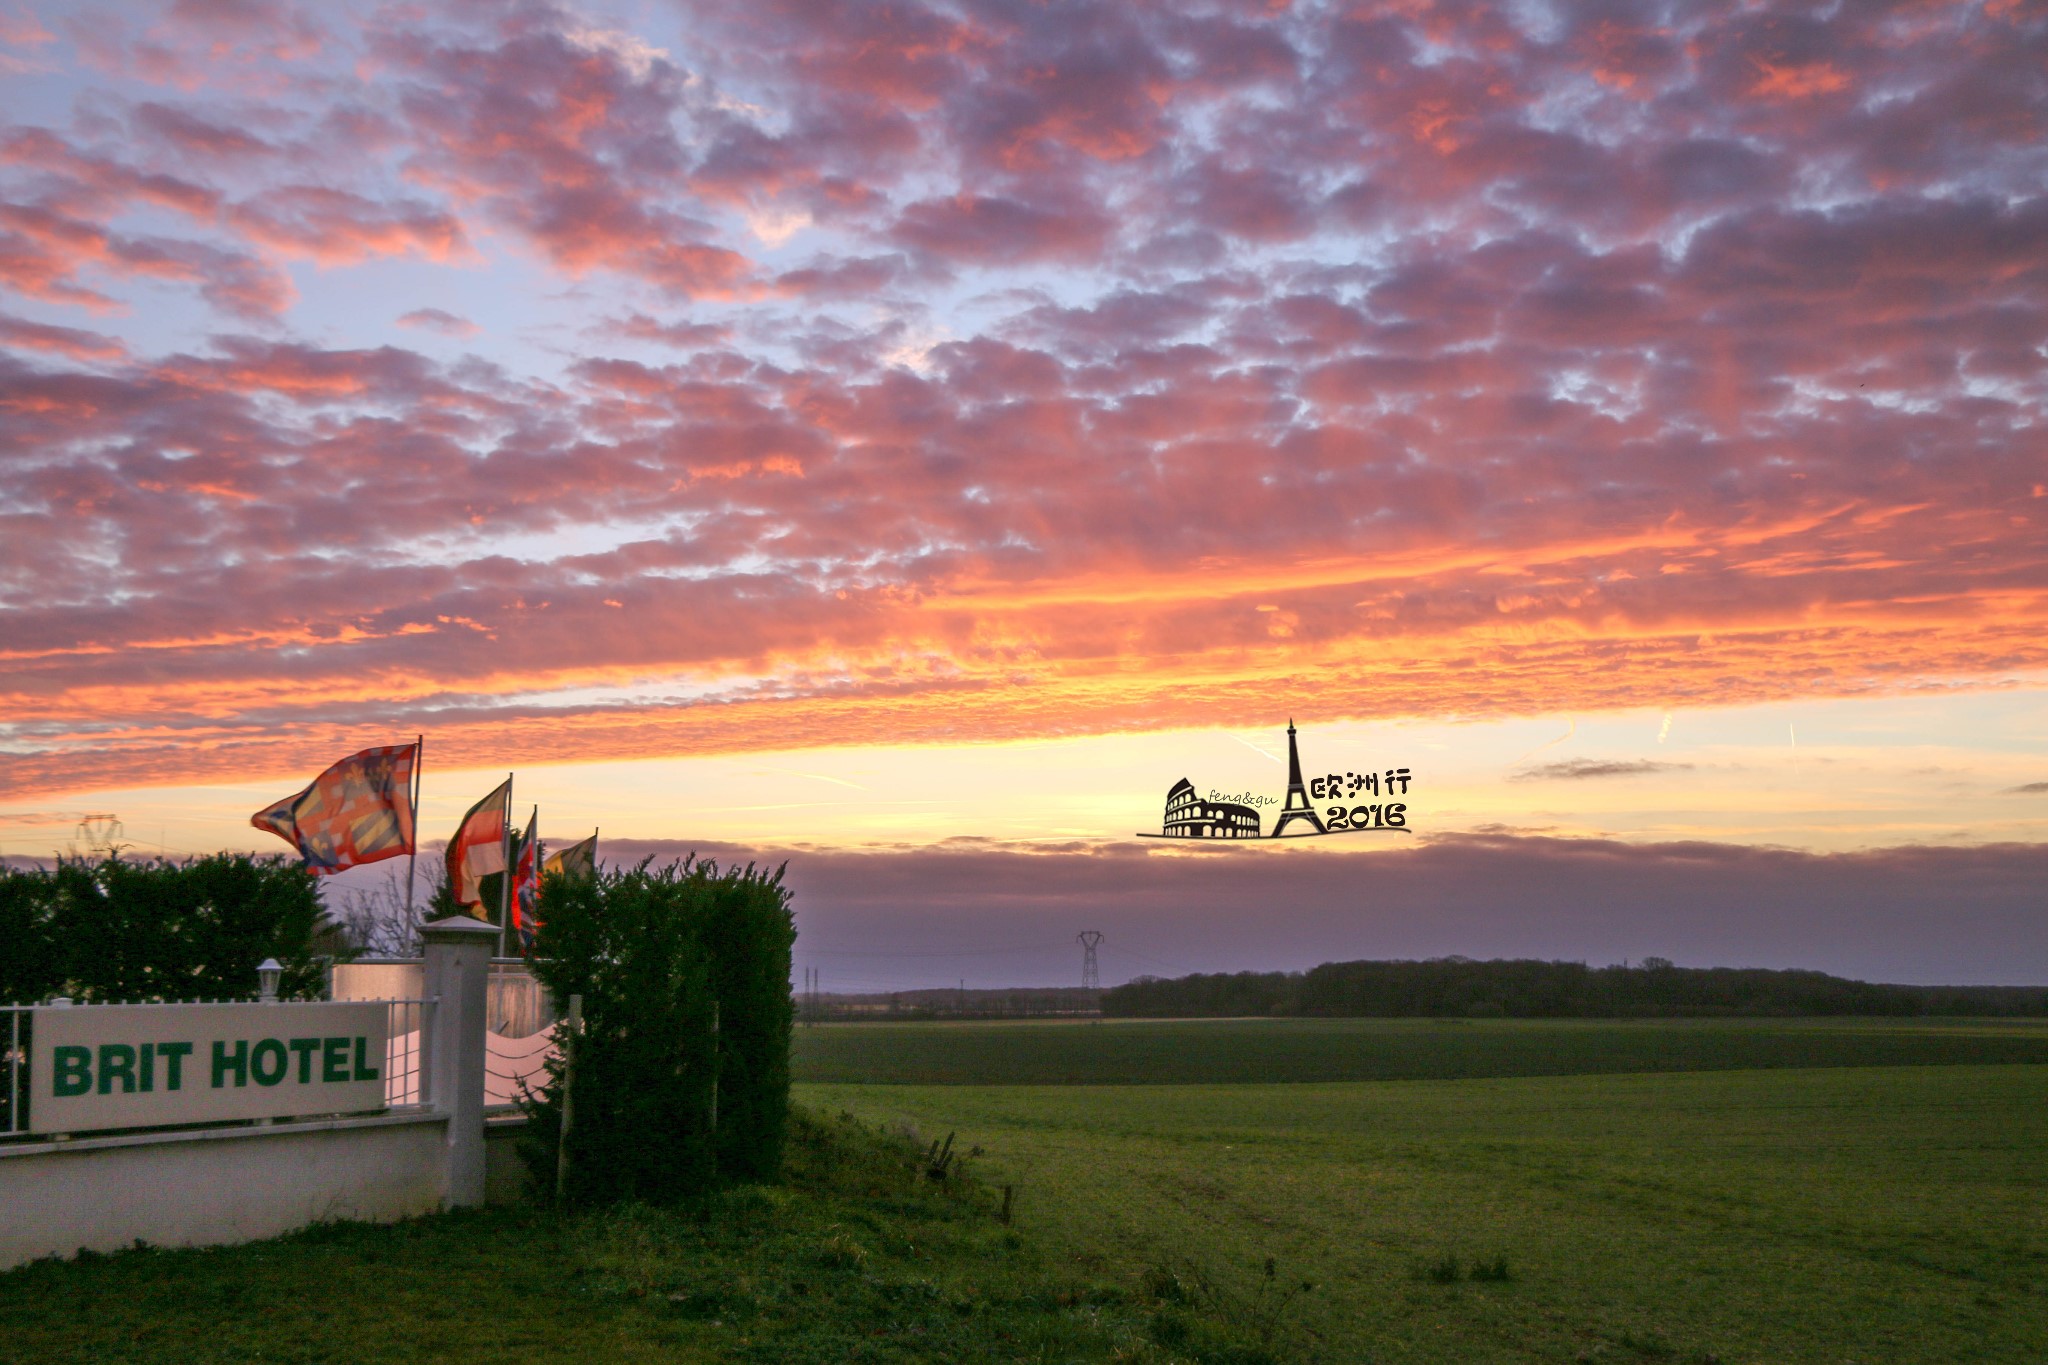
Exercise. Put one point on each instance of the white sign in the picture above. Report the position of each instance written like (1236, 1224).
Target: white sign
(136, 1066)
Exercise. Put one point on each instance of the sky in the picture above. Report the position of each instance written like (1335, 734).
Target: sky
(907, 438)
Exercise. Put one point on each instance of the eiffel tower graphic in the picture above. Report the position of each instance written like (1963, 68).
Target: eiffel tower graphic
(1297, 807)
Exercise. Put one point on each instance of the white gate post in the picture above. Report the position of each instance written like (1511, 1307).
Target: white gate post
(458, 957)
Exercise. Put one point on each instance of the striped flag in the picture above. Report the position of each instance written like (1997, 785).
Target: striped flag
(358, 811)
(478, 848)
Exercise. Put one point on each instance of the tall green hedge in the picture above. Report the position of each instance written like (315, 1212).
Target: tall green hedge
(658, 954)
(156, 929)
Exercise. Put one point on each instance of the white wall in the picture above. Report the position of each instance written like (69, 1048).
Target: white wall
(216, 1185)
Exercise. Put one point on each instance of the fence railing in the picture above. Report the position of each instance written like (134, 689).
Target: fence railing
(16, 1036)
(409, 1025)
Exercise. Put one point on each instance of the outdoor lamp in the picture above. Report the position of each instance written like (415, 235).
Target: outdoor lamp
(268, 974)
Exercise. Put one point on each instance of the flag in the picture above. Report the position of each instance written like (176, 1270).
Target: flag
(358, 811)
(577, 860)
(526, 886)
(478, 848)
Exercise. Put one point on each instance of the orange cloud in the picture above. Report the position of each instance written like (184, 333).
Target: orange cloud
(1134, 366)
(1796, 82)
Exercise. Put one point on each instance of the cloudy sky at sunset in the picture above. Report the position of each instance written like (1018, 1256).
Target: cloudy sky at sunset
(908, 437)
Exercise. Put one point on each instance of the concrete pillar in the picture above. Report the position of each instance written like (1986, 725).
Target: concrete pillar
(457, 967)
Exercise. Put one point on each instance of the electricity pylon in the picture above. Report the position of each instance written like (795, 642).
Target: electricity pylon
(1091, 975)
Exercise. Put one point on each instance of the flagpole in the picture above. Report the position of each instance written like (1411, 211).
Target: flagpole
(412, 861)
(505, 877)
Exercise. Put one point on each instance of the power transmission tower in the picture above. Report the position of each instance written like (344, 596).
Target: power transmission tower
(101, 834)
(1091, 975)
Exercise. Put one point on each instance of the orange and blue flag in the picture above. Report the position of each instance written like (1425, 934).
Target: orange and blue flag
(526, 886)
(358, 811)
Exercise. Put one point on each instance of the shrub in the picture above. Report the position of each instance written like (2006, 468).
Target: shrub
(658, 955)
(748, 935)
(157, 929)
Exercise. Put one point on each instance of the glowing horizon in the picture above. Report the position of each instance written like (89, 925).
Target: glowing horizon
(1930, 771)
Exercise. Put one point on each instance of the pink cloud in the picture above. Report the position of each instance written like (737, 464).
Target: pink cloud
(198, 137)
(439, 320)
(67, 341)
(571, 145)
(687, 336)
(994, 230)
(335, 227)
(1570, 367)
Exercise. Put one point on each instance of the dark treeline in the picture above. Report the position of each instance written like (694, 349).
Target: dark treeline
(1527, 989)
(1010, 1002)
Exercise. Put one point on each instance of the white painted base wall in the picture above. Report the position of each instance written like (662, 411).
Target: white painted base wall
(211, 1186)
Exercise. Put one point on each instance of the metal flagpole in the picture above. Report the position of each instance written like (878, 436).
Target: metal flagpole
(419, 755)
(505, 877)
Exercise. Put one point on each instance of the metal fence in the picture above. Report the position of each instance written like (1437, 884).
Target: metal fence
(408, 1025)
(16, 1035)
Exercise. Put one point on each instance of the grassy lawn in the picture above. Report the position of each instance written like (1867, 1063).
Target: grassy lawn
(1226, 1051)
(1874, 1214)
(856, 1259)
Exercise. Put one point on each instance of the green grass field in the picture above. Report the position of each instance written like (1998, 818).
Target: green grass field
(1227, 1051)
(1698, 1194)
(1883, 1212)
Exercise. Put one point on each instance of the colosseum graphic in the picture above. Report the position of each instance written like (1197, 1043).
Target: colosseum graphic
(1188, 816)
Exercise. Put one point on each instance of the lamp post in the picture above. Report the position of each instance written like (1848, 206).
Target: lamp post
(268, 974)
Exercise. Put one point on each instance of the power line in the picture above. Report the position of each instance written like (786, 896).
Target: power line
(1153, 961)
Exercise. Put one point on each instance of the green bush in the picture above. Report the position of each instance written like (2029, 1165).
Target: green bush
(157, 929)
(658, 955)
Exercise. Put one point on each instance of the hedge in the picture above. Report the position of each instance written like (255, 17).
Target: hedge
(658, 955)
(157, 929)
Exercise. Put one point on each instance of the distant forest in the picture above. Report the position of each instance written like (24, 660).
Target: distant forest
(1527, 989)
